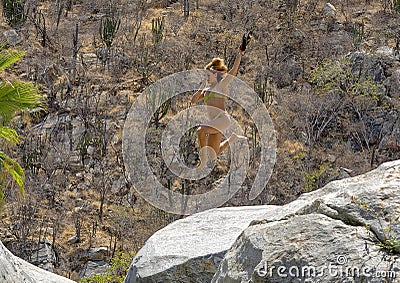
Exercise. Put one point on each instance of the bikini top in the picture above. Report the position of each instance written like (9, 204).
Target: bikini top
(211, 94)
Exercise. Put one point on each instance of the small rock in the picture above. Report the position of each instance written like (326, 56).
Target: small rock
(12, 37)
(97, 254)
(348, 171)
(89, 59)
(73, 240)
(358, 13)
(75, 162)
(385, 51)
(91, 150)
(329, 10)
(118, 184)
(331, 158)
(344, 173)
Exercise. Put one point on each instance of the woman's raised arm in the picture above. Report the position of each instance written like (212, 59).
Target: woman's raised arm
(236, 65)
(225, 81)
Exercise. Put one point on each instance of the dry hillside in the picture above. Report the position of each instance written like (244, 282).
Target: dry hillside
(331, 119)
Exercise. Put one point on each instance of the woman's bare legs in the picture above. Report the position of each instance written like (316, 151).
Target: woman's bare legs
(212, 146)
(206, 134)
(210, 136)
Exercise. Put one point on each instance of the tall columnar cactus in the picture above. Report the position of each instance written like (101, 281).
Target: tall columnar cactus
(157, 28)
(358, 33)
(264, 92)
(41, 30)
(186, 8)
(108, 29)
(14, 12)
(75, 49)
(260, 88)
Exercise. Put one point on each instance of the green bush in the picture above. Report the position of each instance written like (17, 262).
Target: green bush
(116, 272)
(337, 77)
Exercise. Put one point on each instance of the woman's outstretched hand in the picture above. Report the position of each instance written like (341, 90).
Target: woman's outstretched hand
(245, 41)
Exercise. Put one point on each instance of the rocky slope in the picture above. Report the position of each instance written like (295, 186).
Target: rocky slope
(348, 229)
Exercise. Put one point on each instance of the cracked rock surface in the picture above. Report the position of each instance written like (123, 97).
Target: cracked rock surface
(347, 231)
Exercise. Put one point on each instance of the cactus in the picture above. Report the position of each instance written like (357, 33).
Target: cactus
(186, 8)
(157, 28)
(108, 29)
(264, 92)
(143, 63)
(260, 88)
(75, 50)
(358, 33)
(14, 12)
(40, 25)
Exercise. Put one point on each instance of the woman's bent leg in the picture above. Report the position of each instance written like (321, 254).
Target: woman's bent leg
(231, 140)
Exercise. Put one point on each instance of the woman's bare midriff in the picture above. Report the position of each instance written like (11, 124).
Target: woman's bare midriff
(217, 103)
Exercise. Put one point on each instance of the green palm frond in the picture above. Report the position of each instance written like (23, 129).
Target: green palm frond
(16, 96)
(9, 134)
(9, 56)
(14, 169)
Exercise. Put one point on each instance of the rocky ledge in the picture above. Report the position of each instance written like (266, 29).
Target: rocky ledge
(348, 230)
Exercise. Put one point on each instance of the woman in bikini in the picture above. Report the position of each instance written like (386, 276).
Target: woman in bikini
(210, 133)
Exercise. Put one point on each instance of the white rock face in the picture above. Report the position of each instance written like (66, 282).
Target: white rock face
(350, 225)
(15, 270)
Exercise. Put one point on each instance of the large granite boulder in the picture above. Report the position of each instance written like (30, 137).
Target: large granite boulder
(15, 270)
(191, 247)
(348, 230)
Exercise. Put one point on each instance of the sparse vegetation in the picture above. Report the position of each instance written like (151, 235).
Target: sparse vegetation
(336, 110)
(390, 240)
(115, 273)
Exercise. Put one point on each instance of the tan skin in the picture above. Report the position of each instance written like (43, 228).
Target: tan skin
(210, 129)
